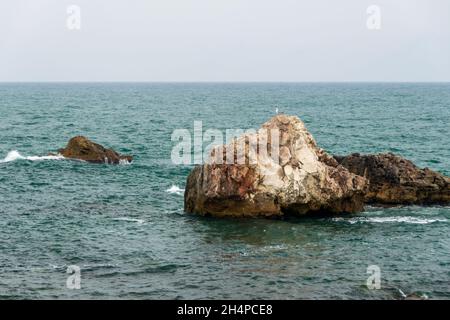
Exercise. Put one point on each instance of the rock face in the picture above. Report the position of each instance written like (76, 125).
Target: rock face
(395, 180)
(82, 148)
(303, 179)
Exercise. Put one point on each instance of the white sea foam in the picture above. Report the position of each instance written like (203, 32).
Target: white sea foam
(139, 221)
(15, 155)
(404, 219)
(276, 247)
(55, 266)
(12, 156)
(124, 162)
(175, 189)
(37, 158)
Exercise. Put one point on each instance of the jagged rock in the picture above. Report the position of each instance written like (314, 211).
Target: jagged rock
(395, 180)
(82, 148)
(304, 179)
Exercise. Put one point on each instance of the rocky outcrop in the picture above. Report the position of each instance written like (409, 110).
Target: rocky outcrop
(82, 148)
(301, 179)
(395, 180)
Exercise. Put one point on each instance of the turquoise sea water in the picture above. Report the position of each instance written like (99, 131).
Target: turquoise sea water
(129, 235)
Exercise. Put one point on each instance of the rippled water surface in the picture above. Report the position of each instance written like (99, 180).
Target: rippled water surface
(125, 227)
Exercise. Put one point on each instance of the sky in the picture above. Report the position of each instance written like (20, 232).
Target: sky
(225, 40)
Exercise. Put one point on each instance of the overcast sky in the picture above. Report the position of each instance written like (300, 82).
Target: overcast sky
(224, 40)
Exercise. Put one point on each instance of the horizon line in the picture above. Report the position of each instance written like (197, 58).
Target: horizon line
(217, 81)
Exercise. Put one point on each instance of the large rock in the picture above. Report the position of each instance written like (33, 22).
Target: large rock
(82, 148)
(395, 180)
(304, 179)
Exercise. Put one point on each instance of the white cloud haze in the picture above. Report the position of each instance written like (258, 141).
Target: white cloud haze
(224, 40)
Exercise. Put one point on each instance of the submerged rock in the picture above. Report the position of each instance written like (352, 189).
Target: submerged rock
(82, 148)
(395, 180)
(415, 296)
(303, 179)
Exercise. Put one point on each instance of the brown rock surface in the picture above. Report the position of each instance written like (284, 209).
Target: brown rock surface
(82, 148)
(395, 180)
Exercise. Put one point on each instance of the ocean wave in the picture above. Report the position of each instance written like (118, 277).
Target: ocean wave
(175, 189)
(404, 219)
(139, 221)
(99, 266)
(85, 266)
(15, 155)
(268, 249)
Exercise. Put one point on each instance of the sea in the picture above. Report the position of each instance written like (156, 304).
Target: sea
(74, 230)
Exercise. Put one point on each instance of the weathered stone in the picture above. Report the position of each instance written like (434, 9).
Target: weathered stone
(395, 180)
(82, 148)
(304, 180)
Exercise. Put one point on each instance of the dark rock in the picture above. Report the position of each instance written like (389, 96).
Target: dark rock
(395, 180)
(82, 148)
